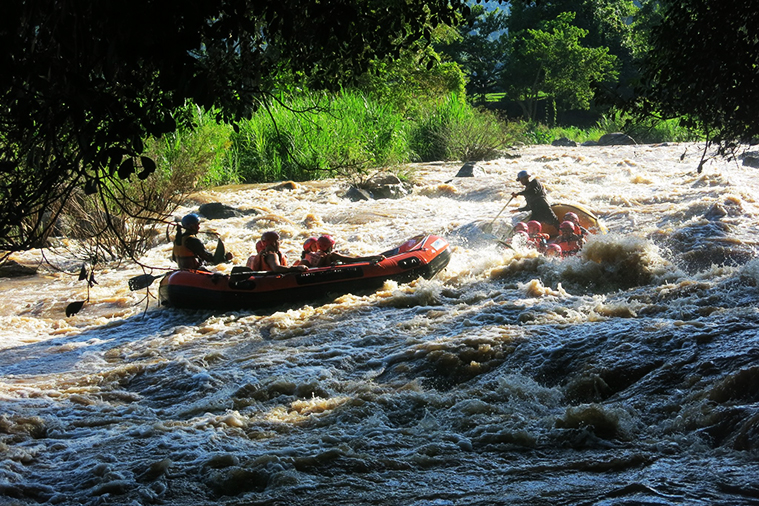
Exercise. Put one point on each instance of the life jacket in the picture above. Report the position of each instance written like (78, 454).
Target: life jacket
(570, 245)
(313, 258)
(538, 241)
(257, 262)
(182, 255)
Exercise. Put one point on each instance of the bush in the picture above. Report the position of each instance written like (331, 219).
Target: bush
(316, 135)
(454, 130)
(648, 131)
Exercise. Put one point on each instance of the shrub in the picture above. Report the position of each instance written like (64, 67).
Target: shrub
(315, 135)
(454, 130)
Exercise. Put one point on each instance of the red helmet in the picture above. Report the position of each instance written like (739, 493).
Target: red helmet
(553, 250)
(520, 227)
(325, 243)
(570, 216)
(534, 227)
(269, 237)
(567, 225)
(311, 244)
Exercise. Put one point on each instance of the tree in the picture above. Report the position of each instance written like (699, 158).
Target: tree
(82, 84)
(551, 62)
(480, 49)
(704, 66)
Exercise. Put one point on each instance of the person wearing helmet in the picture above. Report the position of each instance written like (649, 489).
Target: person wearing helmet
(553, 250)
(569, 240)
(519, 227)
(310, 255)
(536, 238)
(535, 196)
(188, 252)
(330, 257)
(270, 258)
(570, 216)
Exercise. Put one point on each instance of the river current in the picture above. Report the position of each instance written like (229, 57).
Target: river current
(626, 375)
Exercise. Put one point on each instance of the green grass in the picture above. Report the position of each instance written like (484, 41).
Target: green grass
(648, 132)
(351, 135)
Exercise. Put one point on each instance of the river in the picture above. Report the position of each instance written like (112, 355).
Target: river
(626, 375)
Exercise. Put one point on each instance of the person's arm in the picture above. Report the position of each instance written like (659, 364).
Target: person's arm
(194, 245)
(272, 260)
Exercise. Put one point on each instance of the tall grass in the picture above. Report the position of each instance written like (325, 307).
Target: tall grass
(454, 130)
(194, 157)
(649, 131)
(314, 135)
(644, 132)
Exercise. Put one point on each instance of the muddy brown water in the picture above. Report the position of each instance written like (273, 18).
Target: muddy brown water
(626, 375)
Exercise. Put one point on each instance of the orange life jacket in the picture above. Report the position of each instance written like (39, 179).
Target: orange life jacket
(569, 245)
(183, 256)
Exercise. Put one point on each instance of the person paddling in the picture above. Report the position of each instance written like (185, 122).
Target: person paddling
(536, 238)
(535, 196)
(188, 252)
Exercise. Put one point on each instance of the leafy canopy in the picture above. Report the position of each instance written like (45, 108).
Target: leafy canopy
(552, 62)
(83, 83)
(704, 65)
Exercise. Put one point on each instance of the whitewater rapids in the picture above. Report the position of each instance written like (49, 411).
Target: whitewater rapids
(626, 375)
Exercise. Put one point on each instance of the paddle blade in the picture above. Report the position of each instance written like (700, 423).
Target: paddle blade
(220, 255)
(141, 281)
(83, 273)
(74, 307)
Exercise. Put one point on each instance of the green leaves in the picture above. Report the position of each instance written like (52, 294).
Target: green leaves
(553, 62)
(703, 65)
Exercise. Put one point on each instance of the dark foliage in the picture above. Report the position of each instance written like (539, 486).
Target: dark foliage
(83, 83)
(704, 65)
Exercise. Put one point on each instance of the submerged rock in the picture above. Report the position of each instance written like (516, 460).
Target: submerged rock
(13, 269)
(616, 139)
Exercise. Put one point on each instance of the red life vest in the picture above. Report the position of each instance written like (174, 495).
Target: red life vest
(569, 245)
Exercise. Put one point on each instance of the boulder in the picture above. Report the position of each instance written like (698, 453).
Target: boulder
(357, 194)
(589, 143)
(285, 185)
(470, 169)
(382, 186)
(751, 161)
(564, 142)
(219, 211)
(616, 139)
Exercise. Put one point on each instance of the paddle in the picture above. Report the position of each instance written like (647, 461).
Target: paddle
(239, 273)
(489, 227)
(220, 255)
(144, 281)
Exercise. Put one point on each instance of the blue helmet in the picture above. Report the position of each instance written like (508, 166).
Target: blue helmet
(523, 173)
(190, 220)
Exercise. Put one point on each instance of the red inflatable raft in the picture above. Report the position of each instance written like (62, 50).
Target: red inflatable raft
(422, 256)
